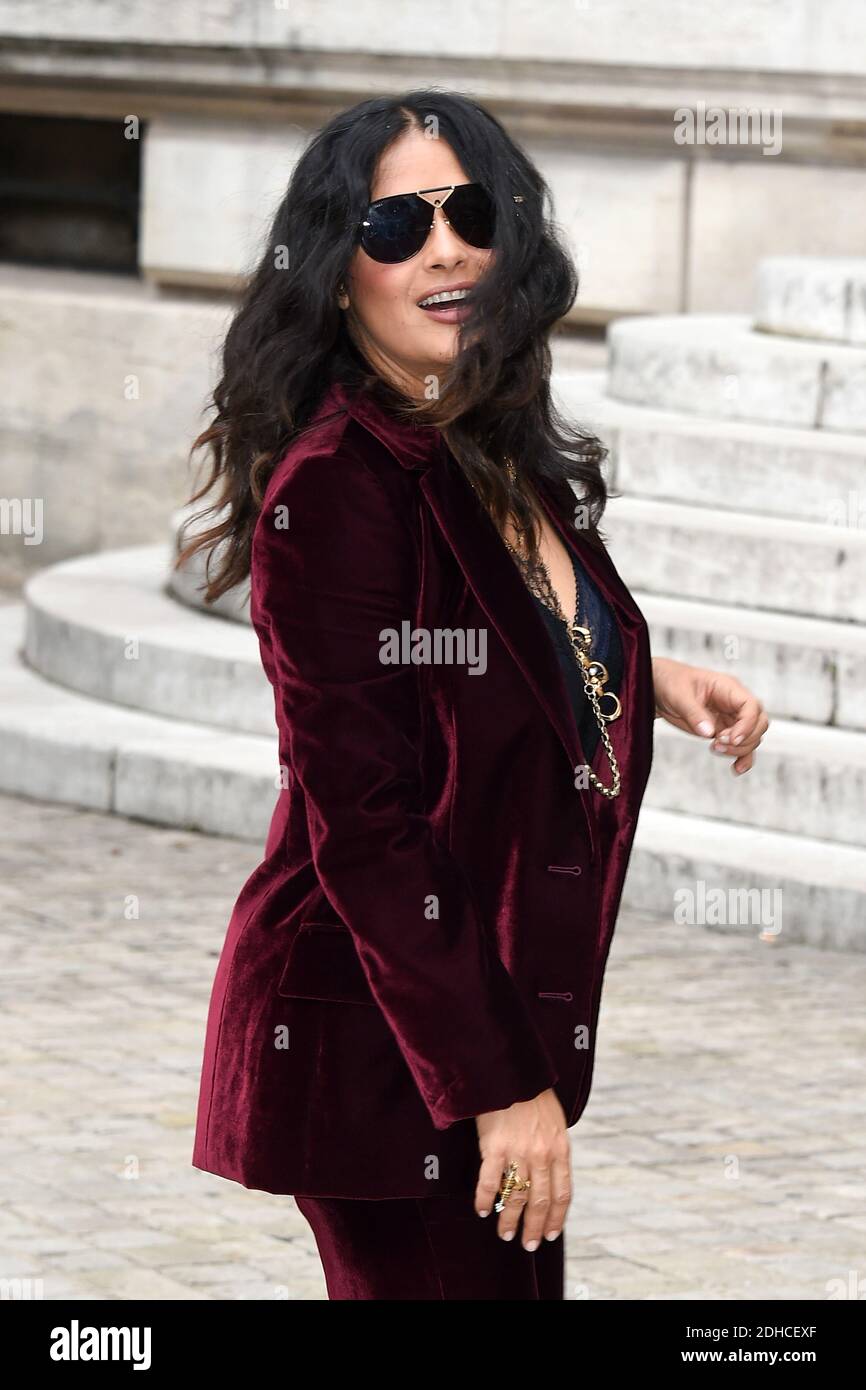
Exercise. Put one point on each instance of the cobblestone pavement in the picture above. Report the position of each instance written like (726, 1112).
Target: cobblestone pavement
(722, 1153)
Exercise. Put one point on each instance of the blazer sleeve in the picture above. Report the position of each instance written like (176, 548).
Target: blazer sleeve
(326, 585)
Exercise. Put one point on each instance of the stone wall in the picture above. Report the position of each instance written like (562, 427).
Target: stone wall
(227, 94)
(103, 386)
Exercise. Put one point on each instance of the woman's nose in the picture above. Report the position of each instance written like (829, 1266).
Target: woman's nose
(443, 241)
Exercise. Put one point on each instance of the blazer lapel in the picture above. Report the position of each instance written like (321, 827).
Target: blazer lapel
(630, 737)
(502, 593)
(494, 577)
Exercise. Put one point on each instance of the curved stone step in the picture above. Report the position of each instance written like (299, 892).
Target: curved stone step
(187, 583)
(732, 465)
(105, 625)
(716, 365)
(814, 891)
(57, 745)
(739, 559)
(805, 780)
(813, 297)
(83, 613)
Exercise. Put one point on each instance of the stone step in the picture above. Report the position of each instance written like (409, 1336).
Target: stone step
(187, 583)
(105, 625)
(805, 780)
(700, 869)
(216, 674)
(728, 464)
(806, 669)
(58, 745)
(813, 297)
(717, 365)
(82, 615)
(740, 559)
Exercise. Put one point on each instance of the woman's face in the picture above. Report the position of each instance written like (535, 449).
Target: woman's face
(402, 342)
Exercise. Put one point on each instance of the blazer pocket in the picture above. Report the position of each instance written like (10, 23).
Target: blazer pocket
(323, 964)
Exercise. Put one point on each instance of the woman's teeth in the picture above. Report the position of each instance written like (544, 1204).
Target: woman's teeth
(446, 297)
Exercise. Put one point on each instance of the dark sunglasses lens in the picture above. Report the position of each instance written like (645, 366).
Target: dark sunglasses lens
(397, 228)
(472, 213)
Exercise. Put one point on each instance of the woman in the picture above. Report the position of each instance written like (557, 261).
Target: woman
(402, 1026)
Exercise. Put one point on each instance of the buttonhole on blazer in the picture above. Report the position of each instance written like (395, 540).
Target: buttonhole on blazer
(323, 964)
(564, 869)
(555, 994)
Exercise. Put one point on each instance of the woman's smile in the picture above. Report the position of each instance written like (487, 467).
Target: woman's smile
(445, 303)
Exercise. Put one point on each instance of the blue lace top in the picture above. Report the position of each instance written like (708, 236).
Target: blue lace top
(597, 615)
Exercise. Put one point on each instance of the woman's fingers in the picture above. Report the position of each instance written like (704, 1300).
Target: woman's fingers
(509, 1217)
(489, 1178)
(737, 750)
(535, 1207)
(560, 1191)
(741, 740)
(749, 727)
(533, 1136)
(743, 757)
(540, 1214)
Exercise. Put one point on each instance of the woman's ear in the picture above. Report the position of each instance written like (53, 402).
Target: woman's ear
(342, 296)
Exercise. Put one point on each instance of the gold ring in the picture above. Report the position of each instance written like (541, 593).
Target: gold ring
(511, 1182)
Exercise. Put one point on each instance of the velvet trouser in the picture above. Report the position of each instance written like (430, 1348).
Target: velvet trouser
(427, 1248)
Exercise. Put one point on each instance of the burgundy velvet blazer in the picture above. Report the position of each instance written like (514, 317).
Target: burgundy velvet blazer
(425, 937)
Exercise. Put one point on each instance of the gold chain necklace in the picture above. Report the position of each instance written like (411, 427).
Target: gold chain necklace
(595, 673)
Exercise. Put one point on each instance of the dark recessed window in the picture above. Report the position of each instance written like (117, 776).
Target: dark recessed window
(69, 193)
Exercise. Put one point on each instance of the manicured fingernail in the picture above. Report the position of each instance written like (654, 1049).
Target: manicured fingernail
(705, 727)
(552, 1235)
(509, 1235)
(484, 1213)
(533, 1245)
(724, 736)
(739, 738)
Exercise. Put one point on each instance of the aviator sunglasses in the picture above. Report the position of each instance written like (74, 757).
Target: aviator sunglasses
(396, 228)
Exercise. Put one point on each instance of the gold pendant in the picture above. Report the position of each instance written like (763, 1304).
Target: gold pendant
(609, 695)
(597, 676)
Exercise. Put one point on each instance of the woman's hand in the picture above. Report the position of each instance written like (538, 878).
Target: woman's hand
(710, 703)
(534, 1135)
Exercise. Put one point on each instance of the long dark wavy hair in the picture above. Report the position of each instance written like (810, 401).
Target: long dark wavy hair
(289, 339)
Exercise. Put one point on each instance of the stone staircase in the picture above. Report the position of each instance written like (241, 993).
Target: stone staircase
(116, 698)
(740, 530)
(738, 450)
